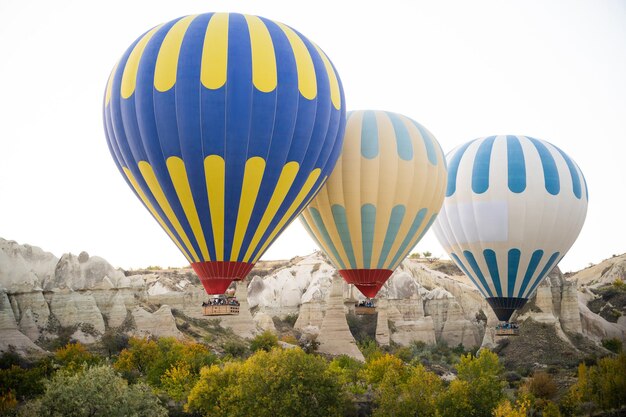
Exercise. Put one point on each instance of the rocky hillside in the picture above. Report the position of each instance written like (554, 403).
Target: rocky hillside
(42, 296)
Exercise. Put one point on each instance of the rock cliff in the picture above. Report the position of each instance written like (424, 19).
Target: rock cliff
(41, 294)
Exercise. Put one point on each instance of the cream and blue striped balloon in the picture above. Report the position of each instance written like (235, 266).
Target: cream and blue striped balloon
(514, 206)
(224, 125)
(383, 195)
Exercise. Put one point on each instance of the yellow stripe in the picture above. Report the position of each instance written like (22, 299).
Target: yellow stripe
(264, 76)
(157, 192)
(308, 185)
(149, 206)
(335, 94)
(253, 174)
(285, 181)
(129, 78)
(107, 94)
(215, 52)
(178, 174)
(214, 171)
(307, 81)
(167, 60)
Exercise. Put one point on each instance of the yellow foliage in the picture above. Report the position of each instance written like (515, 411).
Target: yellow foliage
(506, 409)
(7, 402)
(376, 369)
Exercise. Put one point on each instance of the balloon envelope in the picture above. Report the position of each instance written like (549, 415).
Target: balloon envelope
(382, 196)
(224, 125)
(514, 206)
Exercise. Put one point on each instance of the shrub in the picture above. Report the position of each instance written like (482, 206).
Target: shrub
(265, 341)
(614, 345)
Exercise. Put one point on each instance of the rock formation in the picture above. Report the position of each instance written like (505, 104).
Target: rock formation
(334, 336)
(40, 293)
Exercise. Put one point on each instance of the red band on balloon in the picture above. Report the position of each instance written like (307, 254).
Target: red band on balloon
(368, 281)
(216, 276)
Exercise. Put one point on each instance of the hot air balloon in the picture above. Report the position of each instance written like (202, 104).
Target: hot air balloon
(514, 206)
(224, 126)
(382, 196)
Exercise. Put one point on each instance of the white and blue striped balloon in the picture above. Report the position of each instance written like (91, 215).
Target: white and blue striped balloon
(514, 206)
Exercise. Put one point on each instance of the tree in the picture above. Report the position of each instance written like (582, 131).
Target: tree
(409, 393)
(269, 384)
(72, 356)
(541, 385)
(477, 390)
(265, 341)
(138, 358)
(348, 371)
(506, 409)
(150, 359)
(178, 381)
(93, 392)
(211, 395)
(376, 369)
(602, 385)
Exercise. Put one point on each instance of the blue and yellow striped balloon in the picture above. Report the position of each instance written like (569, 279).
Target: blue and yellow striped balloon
(225, 126)
(514, 206)
(381, 198)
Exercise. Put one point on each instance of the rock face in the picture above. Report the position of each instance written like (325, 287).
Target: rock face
(334, 336)
(24, 267)
(40, 293)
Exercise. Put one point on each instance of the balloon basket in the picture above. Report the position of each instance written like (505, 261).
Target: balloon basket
(507, 329)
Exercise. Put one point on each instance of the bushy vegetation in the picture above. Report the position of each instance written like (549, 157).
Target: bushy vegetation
(166, 376)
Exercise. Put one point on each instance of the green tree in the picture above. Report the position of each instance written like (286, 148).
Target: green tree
(72, 356)
(348, 371)
(614, 345)
(375, 370)
(410, 392)
(150, 359)
(477, 390)
(138, 358)
(212, 394)
(270, 384)
(265, 341)
(93, 392)
(178, 381)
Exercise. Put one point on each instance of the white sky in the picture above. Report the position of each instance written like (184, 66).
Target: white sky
(554, 70)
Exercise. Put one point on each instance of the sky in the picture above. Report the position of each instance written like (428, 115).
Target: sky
(554, 70)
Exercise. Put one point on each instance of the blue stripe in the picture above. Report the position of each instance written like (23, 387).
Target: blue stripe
(492, 265)
(395, 220)
(146, 115)
(417, 222)
(368, 223)
(403, 139)
(472, 261)
(341, 222)
(428, 142)
(470, 276)
(453, 168)
(550, 172)
(369, 135)
(574, 174)
(545, 271)
(586, 189)
(532, 266)
(187, 112)
(480, 171)
(516, 164)
(513, 266)
(319, 224)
